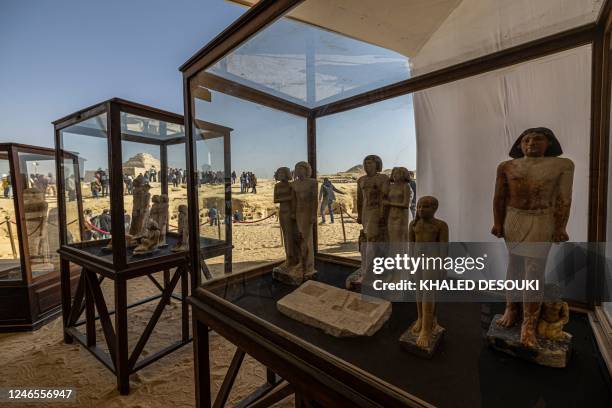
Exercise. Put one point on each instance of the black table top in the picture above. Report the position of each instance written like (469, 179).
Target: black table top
(465, 372)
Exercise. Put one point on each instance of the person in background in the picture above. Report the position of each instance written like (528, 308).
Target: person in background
(88, 233)
(95, 187)
(104, 183)
(253, 183)
(71, 188)
(51, 185)
(233, 176)
(6, 186)
(412, 183)
(237, 216)
(105, 222)
(327, 197)
(213, 216)
(242, 182)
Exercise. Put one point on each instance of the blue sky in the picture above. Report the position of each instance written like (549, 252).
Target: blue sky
(57, 57)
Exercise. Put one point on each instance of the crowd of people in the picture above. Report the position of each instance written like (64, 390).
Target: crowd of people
(248, 181)
(177, 176)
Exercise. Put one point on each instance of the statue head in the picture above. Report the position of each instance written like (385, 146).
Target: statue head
(536, 142)
(156, 198)
(282, 174)
(426, 207)
(400, 175)
(164, 198)
(372, 164)
(302, 170)
(182, 209)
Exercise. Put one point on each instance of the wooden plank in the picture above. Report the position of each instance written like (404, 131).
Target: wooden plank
(230, 377)
(201, 364)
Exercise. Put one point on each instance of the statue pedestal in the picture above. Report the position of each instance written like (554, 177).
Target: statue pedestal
(408, 342)
(336, 311)
(291, 276)
(550, 353)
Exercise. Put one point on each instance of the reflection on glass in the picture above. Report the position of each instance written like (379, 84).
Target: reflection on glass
(262, 140)
(10, 267)
(40, 211)
(177, 182)
(211, 177)
(86, 179)
(385, 129)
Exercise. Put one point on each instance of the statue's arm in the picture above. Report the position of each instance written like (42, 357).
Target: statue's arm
(313, 209)
(499, 201)
(564, 314)
(359, 202)
(411, 238)
(293, 204)
(443, 239)
(563, 202)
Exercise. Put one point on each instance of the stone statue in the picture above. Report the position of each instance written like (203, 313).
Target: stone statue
(150, 241)
(428, 236)
(554, 315)
(183, 230)
(371, 215)
(159, 213)
(304, 215)
(397, 201)
(283, 195)
(140, 206)
(35, 211)
(531, 206)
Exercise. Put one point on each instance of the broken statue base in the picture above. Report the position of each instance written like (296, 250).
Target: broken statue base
(292, 276)
(408, 341)
(336, 311)
(550, 353)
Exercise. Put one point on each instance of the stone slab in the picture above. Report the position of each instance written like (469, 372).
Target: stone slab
(338, 312)
(550, 353)
(408, 342)
(290, 276)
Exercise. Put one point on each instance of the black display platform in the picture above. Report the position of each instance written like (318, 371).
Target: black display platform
(101, 252)
(465, 372)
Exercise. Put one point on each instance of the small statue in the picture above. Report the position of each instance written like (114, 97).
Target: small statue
(531, 206)
(140, 206)
(35, 210)
(304, 217)
(429, 236)
(150, 241)
(554, 315)
(283, 194)
(398, 198)
(371, 215)
(183, 230)
(159, 213)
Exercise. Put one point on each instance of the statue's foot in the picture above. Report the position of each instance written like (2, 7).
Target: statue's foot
(528, 337)
(423, 340)
(416, 327)
(509, 318)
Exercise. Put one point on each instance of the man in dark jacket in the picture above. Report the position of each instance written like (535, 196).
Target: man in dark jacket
(327, 197)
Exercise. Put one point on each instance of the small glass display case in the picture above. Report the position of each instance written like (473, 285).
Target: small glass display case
(121, 199)
(29, 237)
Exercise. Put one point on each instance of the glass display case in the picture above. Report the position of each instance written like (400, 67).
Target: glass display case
(29, 277)
(430, 101)
(123, 208)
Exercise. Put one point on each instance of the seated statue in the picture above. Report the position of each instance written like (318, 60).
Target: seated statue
(150, 241)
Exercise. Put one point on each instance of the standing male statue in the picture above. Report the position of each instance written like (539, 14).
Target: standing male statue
(371, 214)
(531, 206)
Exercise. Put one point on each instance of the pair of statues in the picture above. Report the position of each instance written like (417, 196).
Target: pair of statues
(297, 201)
(149, 223)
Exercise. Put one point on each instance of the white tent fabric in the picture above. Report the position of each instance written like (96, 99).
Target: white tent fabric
(466, 128)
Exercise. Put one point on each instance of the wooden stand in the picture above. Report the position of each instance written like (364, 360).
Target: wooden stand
(90, 299)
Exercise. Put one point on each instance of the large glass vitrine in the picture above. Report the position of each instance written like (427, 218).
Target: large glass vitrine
(29, 276)
(443, 91)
